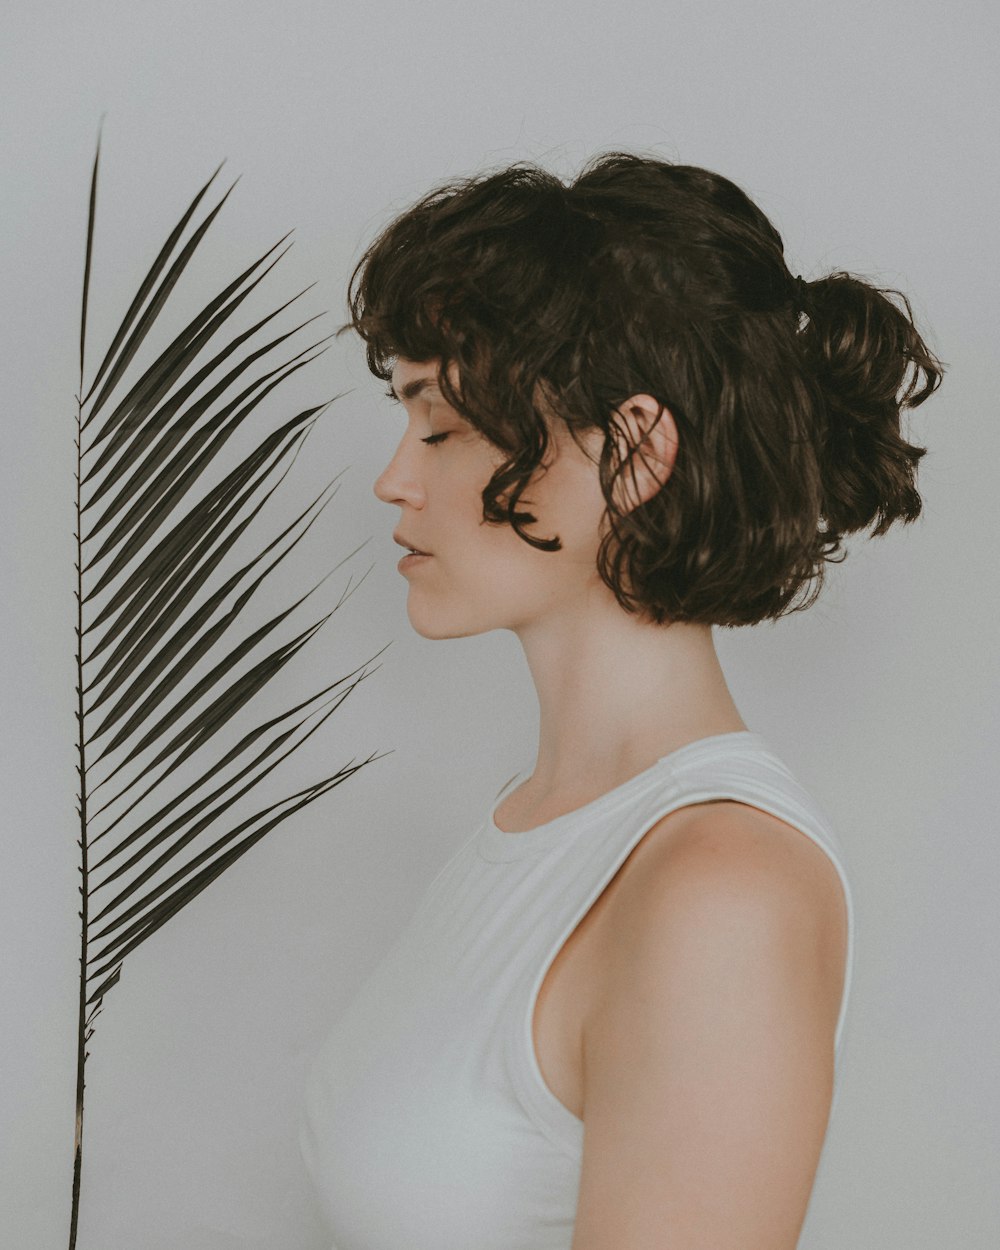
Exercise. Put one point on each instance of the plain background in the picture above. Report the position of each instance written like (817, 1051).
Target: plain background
(867, 132)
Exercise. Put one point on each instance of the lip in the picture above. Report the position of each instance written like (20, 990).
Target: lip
(413, 559)
(403, 542)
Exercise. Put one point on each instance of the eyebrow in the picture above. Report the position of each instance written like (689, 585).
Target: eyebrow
(412, 389)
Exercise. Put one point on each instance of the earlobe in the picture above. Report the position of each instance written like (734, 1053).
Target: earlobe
(646, 435)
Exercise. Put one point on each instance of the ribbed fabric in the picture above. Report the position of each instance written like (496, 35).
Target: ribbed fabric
(427, 1124)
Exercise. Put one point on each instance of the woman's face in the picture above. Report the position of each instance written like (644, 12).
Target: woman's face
(480, 575)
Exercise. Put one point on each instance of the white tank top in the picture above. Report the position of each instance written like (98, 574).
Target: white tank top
(427, 1124)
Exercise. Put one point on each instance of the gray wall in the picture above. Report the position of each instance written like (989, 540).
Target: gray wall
(868, 133)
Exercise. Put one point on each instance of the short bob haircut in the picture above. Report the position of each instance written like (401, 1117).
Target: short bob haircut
(643, 276)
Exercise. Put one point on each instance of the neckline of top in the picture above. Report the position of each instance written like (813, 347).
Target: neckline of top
(511, 844)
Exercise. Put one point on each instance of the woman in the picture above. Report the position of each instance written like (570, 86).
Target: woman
(615, 1020)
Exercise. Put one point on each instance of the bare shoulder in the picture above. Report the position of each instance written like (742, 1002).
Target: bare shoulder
(738, 867)
(733, 881)
(708, 1053)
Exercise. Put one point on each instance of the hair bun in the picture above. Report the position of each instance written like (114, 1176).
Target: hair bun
(869, 362)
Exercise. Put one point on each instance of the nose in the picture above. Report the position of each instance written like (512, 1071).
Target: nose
(397, 483)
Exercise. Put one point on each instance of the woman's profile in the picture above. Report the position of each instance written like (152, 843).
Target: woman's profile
(615, 1018)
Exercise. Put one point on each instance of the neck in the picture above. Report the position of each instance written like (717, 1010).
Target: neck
(616, 694)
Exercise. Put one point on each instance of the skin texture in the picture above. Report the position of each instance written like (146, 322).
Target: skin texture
(701, 1049)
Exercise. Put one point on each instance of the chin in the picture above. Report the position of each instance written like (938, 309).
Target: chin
(435, 628)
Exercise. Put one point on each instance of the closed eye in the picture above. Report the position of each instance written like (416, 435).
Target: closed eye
(434, 438)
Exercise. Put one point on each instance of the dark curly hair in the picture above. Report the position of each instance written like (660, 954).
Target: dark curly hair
(643, 276)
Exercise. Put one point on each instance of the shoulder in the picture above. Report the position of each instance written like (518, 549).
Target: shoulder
(712, 1030)
(729, 880)
(728, 910)
(737, 866)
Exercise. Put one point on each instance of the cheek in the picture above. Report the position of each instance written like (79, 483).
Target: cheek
(571, 508)
(566, 502)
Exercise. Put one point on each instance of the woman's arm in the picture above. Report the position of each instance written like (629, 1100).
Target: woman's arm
(708, 1060)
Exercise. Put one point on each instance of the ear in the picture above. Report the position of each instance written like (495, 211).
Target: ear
(646, 435)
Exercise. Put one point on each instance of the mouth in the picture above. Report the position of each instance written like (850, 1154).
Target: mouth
(412, 551)
(399, 540)
(411, 559)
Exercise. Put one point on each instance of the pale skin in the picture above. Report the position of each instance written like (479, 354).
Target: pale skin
(689, 1020)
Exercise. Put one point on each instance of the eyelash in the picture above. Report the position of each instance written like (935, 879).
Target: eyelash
(434, 438)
